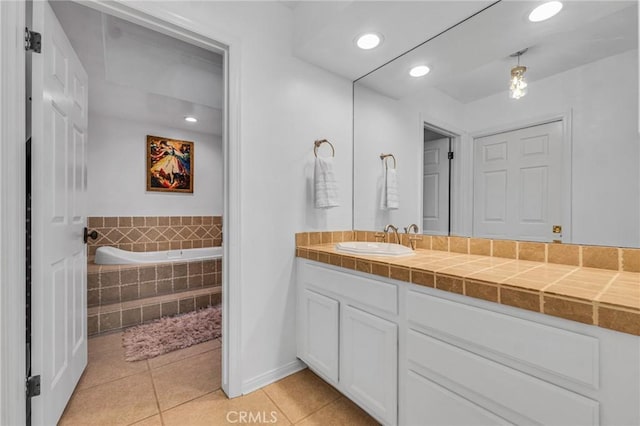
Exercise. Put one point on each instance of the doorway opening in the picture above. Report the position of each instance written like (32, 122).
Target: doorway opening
(437, 163)
(91, 147)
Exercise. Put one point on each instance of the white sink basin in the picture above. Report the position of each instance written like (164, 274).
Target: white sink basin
(376, 249)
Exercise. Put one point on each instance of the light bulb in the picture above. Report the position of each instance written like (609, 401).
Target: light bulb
(368, 41)
(545, 11)
(419, 71)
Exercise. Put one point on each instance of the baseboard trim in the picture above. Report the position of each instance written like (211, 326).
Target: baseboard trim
(272, 376)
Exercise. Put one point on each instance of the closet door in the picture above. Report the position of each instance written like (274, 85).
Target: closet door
(518, 182)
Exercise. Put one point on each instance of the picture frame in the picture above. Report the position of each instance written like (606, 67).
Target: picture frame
(169, 164)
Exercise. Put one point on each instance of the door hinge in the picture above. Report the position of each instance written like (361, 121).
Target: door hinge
(33, 386)
(450, 155)
(32, 41)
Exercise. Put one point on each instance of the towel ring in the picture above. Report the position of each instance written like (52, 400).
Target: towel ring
(320, 142)
(384, 158)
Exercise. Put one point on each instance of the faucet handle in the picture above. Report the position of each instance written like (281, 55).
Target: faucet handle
(381, 235)
(413, 240)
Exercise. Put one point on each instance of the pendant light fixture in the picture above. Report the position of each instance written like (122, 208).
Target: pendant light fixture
(518, 84)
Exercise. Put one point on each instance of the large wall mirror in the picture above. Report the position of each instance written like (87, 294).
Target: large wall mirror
(558, 160)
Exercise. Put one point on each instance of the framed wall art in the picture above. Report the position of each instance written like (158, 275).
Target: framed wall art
(169, 165)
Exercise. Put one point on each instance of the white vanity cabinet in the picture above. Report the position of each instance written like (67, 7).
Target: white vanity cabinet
(348, 336)
(463, 361)
(467, 359)
(413, 355)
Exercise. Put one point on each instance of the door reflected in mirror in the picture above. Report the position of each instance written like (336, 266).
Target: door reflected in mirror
(560, 163)
(436, 186)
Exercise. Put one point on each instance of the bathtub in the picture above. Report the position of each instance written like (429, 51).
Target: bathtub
(113, 256)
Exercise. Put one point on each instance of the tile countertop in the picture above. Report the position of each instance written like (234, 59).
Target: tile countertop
(601, 297)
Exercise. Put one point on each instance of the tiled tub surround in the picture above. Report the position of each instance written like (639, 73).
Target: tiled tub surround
(592, 285)
(119, 296)
(152, 233)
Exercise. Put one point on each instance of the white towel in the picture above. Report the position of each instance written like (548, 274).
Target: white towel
(325, 185)
(389, 197)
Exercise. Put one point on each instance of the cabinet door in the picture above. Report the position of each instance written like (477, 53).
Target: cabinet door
(369, 362)
(318, 334)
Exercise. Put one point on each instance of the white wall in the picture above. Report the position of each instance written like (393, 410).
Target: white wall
(385, 125)
(117, 179)
(603, 98)
(285, 105)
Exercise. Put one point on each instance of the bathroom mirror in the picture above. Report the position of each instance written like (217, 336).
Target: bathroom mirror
(561, 163)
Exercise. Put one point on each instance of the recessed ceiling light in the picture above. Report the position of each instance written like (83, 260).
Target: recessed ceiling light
(190, 119)
(419, 71)
(545, 11)
(368, 41)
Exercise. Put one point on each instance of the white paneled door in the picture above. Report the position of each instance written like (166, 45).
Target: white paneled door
(435, 188)
(517, 183)
(59, 141)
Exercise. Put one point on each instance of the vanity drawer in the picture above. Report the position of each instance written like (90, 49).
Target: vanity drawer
(550, 350)
(428, 403)
(360, 290)
(509, 393)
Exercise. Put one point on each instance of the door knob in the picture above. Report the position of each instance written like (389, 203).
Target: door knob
(87, 234)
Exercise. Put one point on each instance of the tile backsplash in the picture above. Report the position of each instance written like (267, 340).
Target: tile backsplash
(151, 233)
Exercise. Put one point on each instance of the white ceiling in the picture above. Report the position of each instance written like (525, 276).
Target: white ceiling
(139, 74)
(325, 31)
(291, 4)
(472, 61)
(166, 79)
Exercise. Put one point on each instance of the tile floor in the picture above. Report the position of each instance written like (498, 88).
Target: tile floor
(182, 388)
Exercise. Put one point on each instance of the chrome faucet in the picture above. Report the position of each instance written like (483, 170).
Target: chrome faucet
(395, 231)
(412, 240)
(413, 227)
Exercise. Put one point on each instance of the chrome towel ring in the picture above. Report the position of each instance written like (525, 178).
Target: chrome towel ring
(320, 142)
(385, 157)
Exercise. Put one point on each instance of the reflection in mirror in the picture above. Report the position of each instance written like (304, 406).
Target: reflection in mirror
(557, 163)
(436, 187)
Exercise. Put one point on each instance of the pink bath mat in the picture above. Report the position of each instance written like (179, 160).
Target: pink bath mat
(168, 334)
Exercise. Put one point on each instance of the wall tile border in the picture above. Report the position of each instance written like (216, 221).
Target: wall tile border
(153, 233)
